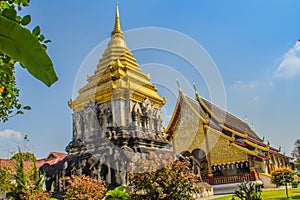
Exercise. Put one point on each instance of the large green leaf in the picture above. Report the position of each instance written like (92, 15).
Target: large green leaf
(22, 46)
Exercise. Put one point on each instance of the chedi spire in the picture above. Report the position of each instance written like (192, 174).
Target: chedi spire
(117, 28)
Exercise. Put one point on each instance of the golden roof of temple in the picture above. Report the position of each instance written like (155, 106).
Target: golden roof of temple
(117, 76)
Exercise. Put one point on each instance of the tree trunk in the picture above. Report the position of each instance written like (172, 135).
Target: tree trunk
(286, 191)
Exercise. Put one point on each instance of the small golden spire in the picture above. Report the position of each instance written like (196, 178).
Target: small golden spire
(117, 28)
(178, 84)
(195, 88)
(70, 103)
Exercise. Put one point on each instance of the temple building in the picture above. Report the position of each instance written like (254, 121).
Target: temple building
(116, 116)
(224, 149)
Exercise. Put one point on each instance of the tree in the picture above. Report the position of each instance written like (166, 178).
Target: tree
(20, 177)
(159, 177)
(296, 154)
(24, 149)
(83, 188)
(18, 44)
(26, 156)
(25, 183)
(34, 186)
(282, 177)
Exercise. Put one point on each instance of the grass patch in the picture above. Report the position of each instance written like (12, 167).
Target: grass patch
(272, 194)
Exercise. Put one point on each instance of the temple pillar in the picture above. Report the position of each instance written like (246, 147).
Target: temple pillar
(253, 173)
(266, 166)
(119, 112)
(270, 168)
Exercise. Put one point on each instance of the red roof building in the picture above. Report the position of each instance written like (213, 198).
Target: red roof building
(11, 164)
(53, 158)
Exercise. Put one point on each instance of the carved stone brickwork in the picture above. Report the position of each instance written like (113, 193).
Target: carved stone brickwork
(90, 126)
(102, 149)
(147, 119)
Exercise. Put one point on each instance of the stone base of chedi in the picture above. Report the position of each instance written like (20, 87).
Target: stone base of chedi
(107, 150)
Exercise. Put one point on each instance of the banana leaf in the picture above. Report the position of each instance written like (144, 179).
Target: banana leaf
(18, 43)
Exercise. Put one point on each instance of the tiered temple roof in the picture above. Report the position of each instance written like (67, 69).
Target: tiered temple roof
(236, 131)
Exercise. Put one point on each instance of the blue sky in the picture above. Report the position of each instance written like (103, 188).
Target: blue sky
(253, 44)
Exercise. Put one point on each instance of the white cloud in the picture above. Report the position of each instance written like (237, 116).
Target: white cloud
(270, 83)
(251, 85)
(10, 134)
(256, 98)
(245, 85)
(290, 64)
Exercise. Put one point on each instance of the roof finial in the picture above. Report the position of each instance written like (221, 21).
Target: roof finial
(252, 126)
(178, 84)
(117, 27)
(246, 119)
(195, 88)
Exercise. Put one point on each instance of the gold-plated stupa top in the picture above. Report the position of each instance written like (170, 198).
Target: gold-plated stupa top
(117, 76)
(117, 28)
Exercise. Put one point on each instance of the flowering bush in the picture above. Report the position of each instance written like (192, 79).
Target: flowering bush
(34, 193)
(84, 188)
(5, 179)
(162, 178)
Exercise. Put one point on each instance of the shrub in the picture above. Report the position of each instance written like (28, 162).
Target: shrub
(119, 193)
(295, 184)
(249, 191)
(34, 193)
(162, 178)
(83, 188)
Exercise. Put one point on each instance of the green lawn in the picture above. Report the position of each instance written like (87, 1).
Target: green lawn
(273, 194)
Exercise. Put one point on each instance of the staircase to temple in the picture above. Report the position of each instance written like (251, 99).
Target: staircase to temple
(266, 179)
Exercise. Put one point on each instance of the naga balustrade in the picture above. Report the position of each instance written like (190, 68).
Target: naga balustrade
(216, 180)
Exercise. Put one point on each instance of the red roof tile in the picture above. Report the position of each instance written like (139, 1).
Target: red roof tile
(53, 158)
